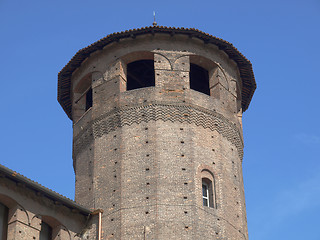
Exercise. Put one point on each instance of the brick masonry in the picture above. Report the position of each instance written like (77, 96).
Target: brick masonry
(29, 208)
(139, 155)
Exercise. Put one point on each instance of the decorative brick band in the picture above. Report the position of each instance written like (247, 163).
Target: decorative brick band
(173, 112)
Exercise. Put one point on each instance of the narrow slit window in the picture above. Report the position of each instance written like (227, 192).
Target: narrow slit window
(199, 79)
(89, 99)
(140, 74)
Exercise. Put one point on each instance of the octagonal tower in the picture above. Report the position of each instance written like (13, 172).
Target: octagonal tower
(157, 133)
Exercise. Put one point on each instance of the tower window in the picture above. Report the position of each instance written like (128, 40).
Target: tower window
(199, 79)
(46, 232)
(208, 195)
(140, 74)
(3, 221)
(89, 99)
(83, 97)
(205, 194)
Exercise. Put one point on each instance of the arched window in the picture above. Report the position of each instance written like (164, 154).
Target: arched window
(199, 79)
(46, 231)
(140, 74)
(208, 189)
(3, 221)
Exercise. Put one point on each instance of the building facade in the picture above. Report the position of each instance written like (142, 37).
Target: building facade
(157, 135)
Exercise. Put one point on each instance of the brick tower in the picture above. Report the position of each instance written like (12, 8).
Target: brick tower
(157, 133)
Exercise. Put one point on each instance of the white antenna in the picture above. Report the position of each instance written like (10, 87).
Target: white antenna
(154, 19)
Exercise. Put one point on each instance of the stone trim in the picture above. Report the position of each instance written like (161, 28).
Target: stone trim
(174, 112)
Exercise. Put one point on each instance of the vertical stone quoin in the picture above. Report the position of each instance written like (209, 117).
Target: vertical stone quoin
(157, 133)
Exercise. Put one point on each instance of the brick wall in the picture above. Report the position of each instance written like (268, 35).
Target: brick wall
(139, 154)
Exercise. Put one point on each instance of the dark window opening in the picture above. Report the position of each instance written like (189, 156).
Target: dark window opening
(89, 99)
(140, 74)
(46, 232)
(199, 79)
(3, 221)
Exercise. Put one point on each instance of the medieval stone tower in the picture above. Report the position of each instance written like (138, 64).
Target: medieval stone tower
(157, 133)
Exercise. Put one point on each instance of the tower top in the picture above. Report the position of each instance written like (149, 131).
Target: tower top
(244, 65)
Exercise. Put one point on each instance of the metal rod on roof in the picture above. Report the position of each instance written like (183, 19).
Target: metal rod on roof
(154, 19)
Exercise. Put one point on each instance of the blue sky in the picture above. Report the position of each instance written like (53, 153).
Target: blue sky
(281, 127)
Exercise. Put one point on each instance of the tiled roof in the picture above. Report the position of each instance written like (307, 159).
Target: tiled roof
(245, 67)
(42, 191)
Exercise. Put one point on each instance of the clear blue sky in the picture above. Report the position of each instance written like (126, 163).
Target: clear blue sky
(281, 127)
